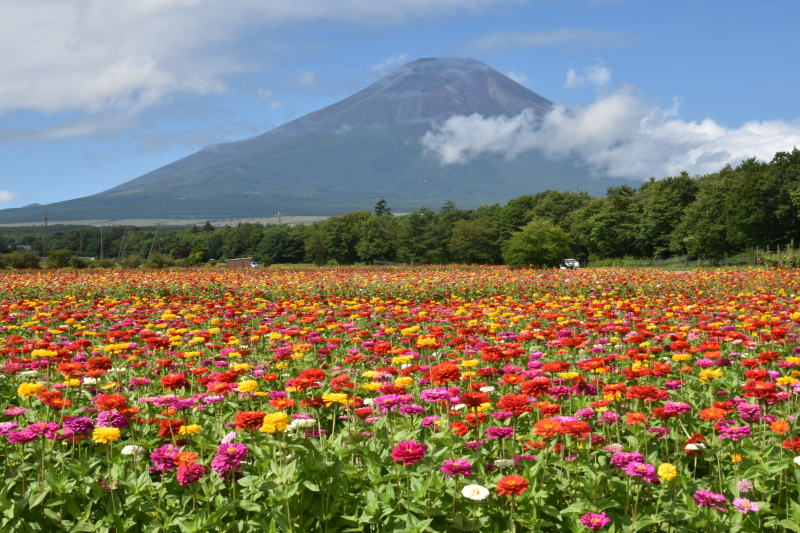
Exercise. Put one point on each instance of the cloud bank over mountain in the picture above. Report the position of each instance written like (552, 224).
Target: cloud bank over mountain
(617, 135)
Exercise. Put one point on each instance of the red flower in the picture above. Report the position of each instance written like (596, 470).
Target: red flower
(516, 403)
(409, 452)
(168, 429)
(474, 399)
(792, 444)
(107, 402)
(174, 381)
(444, 373)
(249, 420)
(511, 486)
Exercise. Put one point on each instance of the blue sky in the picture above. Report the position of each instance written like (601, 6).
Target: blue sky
(94, 93)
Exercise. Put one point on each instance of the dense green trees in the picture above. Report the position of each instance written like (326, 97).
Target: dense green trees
(706, 217)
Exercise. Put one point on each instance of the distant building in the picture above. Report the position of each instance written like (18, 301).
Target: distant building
(240, 262)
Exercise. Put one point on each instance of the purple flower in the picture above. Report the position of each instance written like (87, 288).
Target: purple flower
(519, 458)
(676, 408)
(112, 419)
(504, 432)
(163, 458)
(609, 417)
(412, 409)
(619, 460)
(7, 427)
(21, 436)
(585, 414)
(229, 457)
(750, 412)
(79, 425)
(744, 485)
(706, 498)
(456, 467)
(745, 505)
(734, 432)
(42, 427)
(645, 471)
(595, 521)
(429, 421)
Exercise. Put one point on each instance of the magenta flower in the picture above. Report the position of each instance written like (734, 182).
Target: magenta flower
(229, 457)
(409, 452)
(79, 425)
(21, 436)
(734, 432)
(188, 474)
(595, 521)
(112, 419)
(645, 471)
(744, 505)
(619, 460)
(455, 467)
(505, 432)
(706, 498)
(163, 458)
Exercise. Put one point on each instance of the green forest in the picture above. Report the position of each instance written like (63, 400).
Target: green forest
(709, 217)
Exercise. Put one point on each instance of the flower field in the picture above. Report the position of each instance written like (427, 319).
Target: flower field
(400, 399)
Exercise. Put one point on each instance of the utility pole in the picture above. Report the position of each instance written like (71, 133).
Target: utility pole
(155, 239)
(44, 236)
(123, 243)
(101, 241)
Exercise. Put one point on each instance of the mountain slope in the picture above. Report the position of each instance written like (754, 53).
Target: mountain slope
(343, 157)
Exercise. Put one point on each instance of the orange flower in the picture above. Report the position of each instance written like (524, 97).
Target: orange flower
(635, 418)
(511, 486)
(780, 426)
(547, 428)
(185, 458)
(713, 413)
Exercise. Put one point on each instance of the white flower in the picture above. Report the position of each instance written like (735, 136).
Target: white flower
(132, 449)
(459, 406)
(227, 439)
(301, 423)
(797, 460)
(368, 401)
(694, 446)
(503, 463)
(28, 373)
(89, 380)
(487, 389)
(475, 492)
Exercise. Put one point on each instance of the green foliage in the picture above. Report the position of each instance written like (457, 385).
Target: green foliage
(57, 259)
(540, 243)
(23, 259)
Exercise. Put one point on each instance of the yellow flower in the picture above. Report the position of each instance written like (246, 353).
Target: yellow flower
(104, 435)
(469, 363)
(667, 471)
(404, 381)
(191, 429)
(680, 357)
(334, 397)
(274, 422)
(241, 367)
(371, 386)
(736, 458)
(710, 373)
(26, 390)
(247, 386)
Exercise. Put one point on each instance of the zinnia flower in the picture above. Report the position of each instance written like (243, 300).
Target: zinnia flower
(475, 492)
(275, 422)
(334, 397)
(595, 521)
(104, 435)
(511, 486)
(188, 474)
(706, 498)
(409, 452)
(667, 471)
(745, 506)
(455, 467)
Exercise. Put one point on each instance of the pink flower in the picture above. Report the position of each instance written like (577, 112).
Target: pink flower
(706, 498)
(455, 467)
(188, 474)
(745, 506)
(409, 452)
(595, 521)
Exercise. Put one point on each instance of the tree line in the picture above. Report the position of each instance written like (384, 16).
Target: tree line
(754, 204)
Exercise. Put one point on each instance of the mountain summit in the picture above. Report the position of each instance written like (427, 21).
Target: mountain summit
(344, 157)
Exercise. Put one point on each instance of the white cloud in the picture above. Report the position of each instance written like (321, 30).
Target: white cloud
(7, 196)
(519, 78)
(562, 36)
(389, 64)
(598, 75)
(94, 55)
(305, 79)
(617, 135)
(264, 93)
